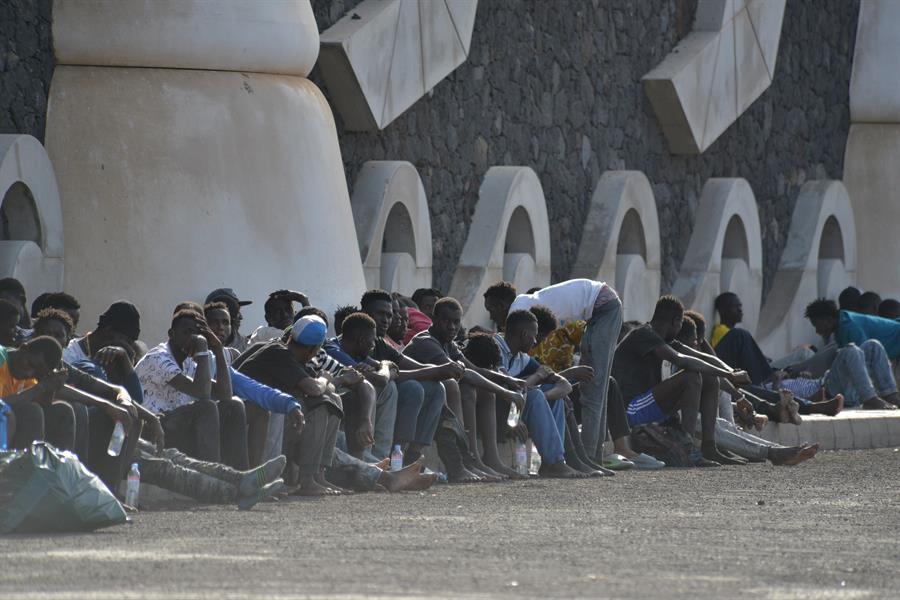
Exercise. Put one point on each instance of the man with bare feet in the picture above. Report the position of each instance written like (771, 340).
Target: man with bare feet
(546, 423)
(282, 365)
(861, 371)
(478, 387)
(692, 390)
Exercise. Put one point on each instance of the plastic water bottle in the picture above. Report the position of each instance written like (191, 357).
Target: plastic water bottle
(116, 440)
(133, 489)
(4, 429)
(396, 458)
(521, 453)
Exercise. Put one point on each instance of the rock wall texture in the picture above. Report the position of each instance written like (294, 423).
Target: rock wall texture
(26, 65)
(556, 86)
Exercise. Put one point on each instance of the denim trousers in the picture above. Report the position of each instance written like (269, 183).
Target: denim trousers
(860, 373)
(597, 349)
(546, 425)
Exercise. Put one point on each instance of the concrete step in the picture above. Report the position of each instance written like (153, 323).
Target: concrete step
(851, 430)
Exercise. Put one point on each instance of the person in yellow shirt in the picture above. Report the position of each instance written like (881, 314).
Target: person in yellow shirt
(28, 381)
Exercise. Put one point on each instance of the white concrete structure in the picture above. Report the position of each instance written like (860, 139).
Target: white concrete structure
(175, 182)
(872, 157)
(620, 241)
(509, 239)
(272, 36)
(392, 226)
(384, 55)
(31, 238)
(716, 72)
(818, 261)
(725, 251)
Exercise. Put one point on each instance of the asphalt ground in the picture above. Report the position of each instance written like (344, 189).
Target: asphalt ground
(829, 528)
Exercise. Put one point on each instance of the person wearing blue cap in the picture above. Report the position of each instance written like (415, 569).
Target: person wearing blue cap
(282, 365)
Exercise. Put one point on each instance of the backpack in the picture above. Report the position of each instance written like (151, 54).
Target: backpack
(659, 442)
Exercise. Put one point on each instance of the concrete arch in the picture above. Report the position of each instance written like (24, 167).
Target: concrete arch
(620, 242)
(393, 226)
(725, 251)
(819, 260)
(274, 36)
(31, 239)
(509, 239)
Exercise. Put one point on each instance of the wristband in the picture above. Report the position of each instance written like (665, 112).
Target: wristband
(204, 353)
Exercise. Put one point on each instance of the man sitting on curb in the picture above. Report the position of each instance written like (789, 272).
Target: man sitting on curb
(637, 368)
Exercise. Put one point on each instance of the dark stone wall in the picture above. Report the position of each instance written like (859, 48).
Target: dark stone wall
(26, 65)
(556, 86)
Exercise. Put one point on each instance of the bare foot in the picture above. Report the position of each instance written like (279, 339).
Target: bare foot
(506, 471)
(560, 470)
(828, 407)
(876, 403)
(488, 475)
(384, 464)
(759, 421)
(806, 453)
(463, 476)
(422, 482)
(406, 478)
(789, 408)
(310, 488)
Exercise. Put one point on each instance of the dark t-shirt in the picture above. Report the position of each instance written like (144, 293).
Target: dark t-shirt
(635, 368)
(274, 365)
(384, 351)
(427, 349)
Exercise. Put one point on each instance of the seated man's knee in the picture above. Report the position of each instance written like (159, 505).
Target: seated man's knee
(60, 411)
(691, 379)
(872, 347)
(207, 408)
(708, 380)
(28, 423)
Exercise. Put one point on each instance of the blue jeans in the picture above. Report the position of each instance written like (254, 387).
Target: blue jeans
(860, 373)
(546, 425)
(597, 348)
(419, 405)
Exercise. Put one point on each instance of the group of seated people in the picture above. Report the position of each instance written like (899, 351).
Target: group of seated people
(292, 410)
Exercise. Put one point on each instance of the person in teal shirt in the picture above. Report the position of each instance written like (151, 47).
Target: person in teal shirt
(852, 327)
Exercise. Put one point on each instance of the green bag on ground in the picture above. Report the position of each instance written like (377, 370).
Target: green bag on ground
(43, 489)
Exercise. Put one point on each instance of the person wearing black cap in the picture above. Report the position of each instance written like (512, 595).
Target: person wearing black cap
(227, 295)
(120, 325)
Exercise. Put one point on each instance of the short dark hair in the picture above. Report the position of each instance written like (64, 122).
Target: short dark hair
(628, 327)
(374, 296)
(667, 308)
(39, 304)
(821, 309)
(546, 318)
(11, 284)
(723, 299)
(699, 321)
(47, 347)
(502, 290)
(122, 316)
(423, 292)
(8, 310)
(215, 305)
(194, 306)
(341, 313)
(849, 298)
(446, 303)
(869, 300)
(688, 331)
(272, 299)
(61, 300)
(187, 314)
(358, 322)
(311, 310)
(482, 350)
(520, 318)
(889, 308)
(51, 314)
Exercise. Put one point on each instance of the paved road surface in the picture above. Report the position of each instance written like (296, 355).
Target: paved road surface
(826, 529)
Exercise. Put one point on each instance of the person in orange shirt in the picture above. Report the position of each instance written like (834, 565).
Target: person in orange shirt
(28, 380)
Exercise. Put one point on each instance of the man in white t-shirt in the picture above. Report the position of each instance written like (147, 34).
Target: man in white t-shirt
(598, 304)
(177, 379)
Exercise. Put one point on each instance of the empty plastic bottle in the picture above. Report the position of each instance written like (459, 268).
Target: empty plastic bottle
(116, 440)
(133, 489)
(396, 458)
(521, 453)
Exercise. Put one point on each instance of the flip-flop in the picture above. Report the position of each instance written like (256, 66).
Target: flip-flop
(645, 462)
(617, 462)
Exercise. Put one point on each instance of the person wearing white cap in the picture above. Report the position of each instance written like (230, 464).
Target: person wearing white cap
(282, 365)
